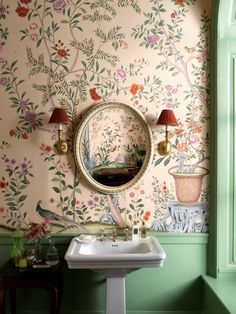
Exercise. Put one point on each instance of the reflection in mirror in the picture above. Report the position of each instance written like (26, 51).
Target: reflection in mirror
(111, 146)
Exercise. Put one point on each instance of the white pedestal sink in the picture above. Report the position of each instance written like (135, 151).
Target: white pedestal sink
(114, 260)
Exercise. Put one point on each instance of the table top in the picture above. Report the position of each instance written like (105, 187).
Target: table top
(9, 270)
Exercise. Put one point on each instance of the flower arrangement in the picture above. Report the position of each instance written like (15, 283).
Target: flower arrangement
(37, 231)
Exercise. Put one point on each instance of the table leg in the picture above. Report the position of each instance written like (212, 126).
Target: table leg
(2, 300)
(54, 300)
(12, 293)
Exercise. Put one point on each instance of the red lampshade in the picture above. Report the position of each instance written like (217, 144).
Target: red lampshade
(59, 115)
(167, 117)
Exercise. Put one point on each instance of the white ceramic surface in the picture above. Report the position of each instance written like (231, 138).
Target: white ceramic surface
(114, 260)
(120, 254)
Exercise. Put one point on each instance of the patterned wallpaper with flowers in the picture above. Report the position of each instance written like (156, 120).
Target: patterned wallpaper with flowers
(74, 53)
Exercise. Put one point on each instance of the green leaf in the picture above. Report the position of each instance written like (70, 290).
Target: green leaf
(158, 161)
(22, 198)
(56, 189)
(131, 206)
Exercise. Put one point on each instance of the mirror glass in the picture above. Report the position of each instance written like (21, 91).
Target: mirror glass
(113, 146)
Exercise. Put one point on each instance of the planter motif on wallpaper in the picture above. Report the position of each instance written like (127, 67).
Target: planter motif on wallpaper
(188, 184)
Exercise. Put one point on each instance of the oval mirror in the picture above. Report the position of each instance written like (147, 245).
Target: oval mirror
(113, 146)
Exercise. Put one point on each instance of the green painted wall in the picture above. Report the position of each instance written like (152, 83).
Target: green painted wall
(176, 286)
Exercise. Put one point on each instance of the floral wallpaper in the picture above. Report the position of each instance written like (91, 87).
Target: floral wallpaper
(72, 54)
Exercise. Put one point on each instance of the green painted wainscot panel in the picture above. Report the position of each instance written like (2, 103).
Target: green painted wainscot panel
(177, 287)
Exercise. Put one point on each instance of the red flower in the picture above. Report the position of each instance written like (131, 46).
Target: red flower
(173, 15)
(147, 215)
(134, 88)
(94, 95)
(25, 1)
(62, 53)
(12, 133)
(37, 230)
(22, 11)
(3, 183)
(179, 2)
(24, 136)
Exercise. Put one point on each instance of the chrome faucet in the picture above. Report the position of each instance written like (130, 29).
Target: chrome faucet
(114, 235)
(126, 237)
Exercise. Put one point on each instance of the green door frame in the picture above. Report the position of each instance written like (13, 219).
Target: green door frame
(222, 229)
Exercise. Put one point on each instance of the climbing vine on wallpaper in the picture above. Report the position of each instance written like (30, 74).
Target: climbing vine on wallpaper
(13, 188)
(74, 53)
(65, 197)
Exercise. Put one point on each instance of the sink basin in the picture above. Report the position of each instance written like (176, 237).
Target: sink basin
(114, 260)
(113, 255)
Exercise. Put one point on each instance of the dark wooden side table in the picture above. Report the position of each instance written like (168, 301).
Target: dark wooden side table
(44, 278)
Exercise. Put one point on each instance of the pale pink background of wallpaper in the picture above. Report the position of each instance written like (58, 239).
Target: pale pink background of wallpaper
(153, 56)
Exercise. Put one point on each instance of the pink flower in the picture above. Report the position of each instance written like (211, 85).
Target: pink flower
(169, 87)
(33, 26)
(169, 105)
(121, 73)
(59, 5)
(30, 116)
(90, 203)
(23, 104)
(34, 37)
(96, 199)
(153, 39)
(3, 81)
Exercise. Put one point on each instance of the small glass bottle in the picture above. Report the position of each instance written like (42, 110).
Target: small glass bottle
(143, 231)
(52, 256)
(135, 232)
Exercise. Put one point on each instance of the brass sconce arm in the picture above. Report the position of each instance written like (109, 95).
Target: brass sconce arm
(60, 117)
(166, 118)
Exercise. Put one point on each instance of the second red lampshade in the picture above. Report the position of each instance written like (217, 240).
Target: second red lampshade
(167, 117)
(59, 115)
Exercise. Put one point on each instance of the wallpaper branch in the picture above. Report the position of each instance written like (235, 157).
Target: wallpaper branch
(153, 55)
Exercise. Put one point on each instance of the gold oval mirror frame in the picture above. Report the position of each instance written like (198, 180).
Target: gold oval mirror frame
(113, 147)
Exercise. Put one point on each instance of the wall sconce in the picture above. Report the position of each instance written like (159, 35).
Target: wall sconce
(60, 117)
(166, 118)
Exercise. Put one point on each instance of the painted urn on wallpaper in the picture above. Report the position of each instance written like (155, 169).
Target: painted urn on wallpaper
(188, 174)
(188, 184)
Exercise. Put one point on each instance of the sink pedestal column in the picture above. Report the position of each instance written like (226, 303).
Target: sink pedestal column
(115, 295)
(115, 289)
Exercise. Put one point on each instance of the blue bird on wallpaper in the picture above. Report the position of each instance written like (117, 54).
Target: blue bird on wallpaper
(46, 213)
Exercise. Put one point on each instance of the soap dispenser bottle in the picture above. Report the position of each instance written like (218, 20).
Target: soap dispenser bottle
(143, 231)
(135, 232)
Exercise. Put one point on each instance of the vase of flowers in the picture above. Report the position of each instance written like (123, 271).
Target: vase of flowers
(36, 232)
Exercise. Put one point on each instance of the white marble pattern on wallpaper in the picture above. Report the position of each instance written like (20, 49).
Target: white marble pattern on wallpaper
(74, 54)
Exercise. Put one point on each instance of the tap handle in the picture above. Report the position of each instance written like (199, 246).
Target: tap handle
(102, 236)
(126, 234)
(114, 234)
